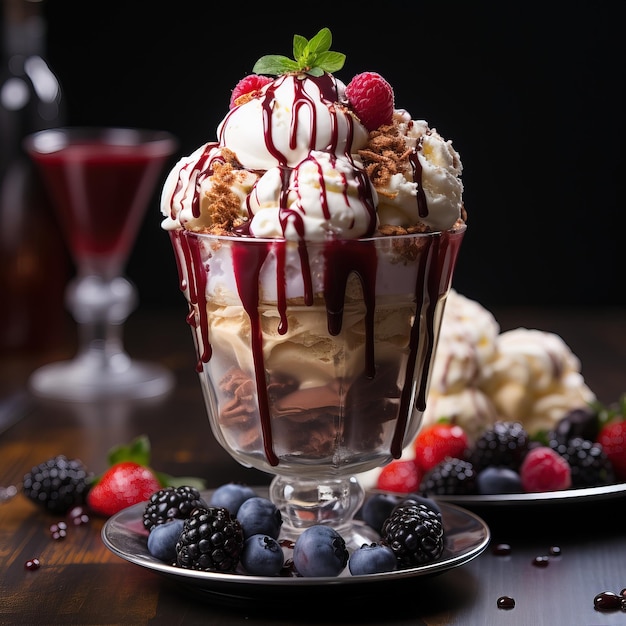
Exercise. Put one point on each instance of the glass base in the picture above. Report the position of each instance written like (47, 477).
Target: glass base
(85, 378)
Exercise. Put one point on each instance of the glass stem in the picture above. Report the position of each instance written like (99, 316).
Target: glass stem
(100, 306)
(305, 502)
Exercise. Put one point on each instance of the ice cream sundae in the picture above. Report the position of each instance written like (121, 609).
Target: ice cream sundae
(316, 239)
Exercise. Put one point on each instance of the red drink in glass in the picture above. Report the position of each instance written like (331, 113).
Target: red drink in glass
(102, 188)
(101, 180)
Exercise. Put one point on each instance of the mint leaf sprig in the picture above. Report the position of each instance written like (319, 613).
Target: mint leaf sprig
(313, 57)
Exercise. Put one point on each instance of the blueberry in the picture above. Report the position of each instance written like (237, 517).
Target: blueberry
(372, 558)
(259, 516)
(262, 556)
(231, 496)
(162, 540)
(494, 480)
(377, 508)
(320, 551)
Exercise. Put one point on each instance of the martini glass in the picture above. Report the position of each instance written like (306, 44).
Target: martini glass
(315, 357)
(101, 181)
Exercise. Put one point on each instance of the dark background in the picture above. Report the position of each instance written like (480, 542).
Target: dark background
(530, 93)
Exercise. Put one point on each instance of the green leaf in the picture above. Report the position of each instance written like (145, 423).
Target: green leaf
(274, 64)
(299, 45)
(138, 451)
(331, 61)
(180, 481)
(321, 42)
(312, 56)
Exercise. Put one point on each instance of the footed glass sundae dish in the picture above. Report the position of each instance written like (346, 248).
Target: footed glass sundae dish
(316, 241)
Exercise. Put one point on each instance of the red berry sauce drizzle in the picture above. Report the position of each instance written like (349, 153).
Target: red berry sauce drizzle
(342, 258)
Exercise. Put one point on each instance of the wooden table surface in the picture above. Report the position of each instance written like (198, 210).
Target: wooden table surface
(81, 582)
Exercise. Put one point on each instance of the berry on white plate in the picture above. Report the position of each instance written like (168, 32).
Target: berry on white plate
(543, 469)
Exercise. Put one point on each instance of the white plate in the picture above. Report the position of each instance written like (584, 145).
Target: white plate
(586, 494)
(466, 536)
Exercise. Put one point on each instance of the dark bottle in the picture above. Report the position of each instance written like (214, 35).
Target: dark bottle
(34, 263)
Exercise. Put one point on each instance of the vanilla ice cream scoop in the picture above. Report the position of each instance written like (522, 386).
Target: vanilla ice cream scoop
(467, 346)
(421, 183)
(480, 374)
(205, 192)
(326, 196)
(291, 116)
(536, 379)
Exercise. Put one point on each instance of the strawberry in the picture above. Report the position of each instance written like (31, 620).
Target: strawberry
(612, 438)
(123, 484)
(371, 98)
(437, 441)
(544, 469)
(248, 85)
(400, 476)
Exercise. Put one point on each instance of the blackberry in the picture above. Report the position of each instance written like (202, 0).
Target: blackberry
(590, 466)
(58, 484)
(415, 534)
(211, 541)
(505, 444)
(171, 503)
(452, 477)
(581, 422)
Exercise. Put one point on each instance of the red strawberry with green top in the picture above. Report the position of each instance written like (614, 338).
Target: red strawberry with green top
(612, 438)
(122, 485)
(371, 98)
(400, 476)
(437, 441)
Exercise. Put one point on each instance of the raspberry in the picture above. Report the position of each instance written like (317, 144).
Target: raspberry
(400, 476)
(543, 469)
(371, 98)
(247, 86)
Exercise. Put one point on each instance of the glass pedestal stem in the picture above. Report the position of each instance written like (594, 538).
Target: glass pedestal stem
(101, 368)
(101, 307)
(334, 502)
